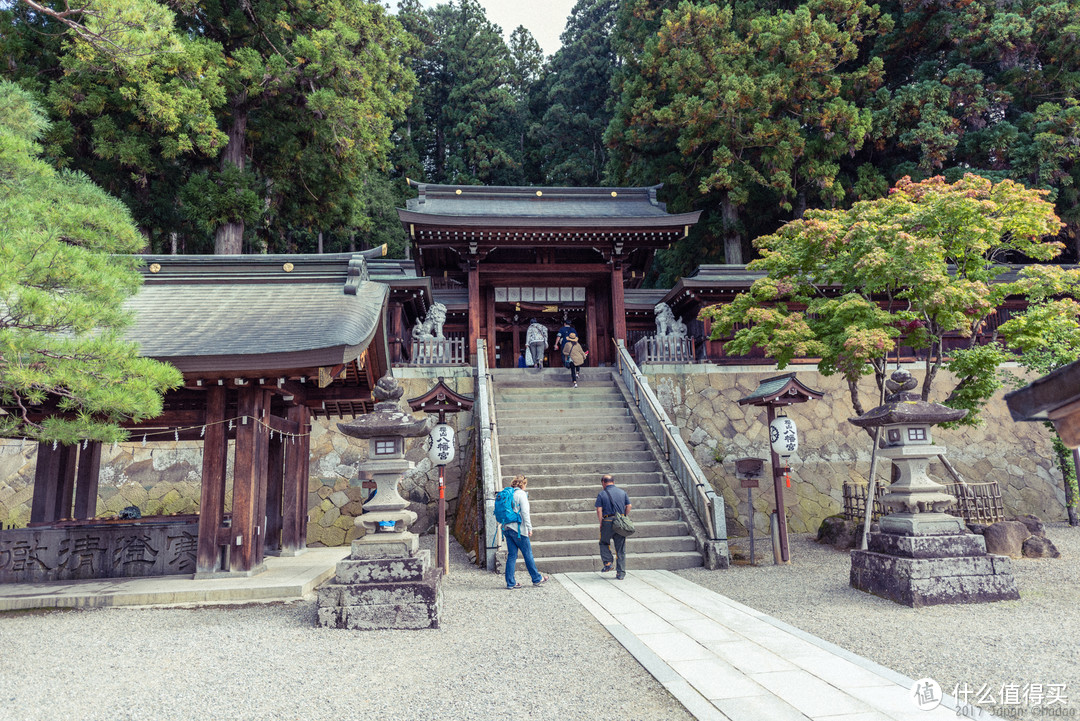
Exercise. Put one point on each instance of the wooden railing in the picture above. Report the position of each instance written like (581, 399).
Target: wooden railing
(438, 352)
(664, 349)
(488, 451)
(706, 502)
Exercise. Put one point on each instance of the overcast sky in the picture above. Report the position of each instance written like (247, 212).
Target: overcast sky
(545, 19)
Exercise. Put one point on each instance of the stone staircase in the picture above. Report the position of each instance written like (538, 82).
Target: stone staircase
(563, 439)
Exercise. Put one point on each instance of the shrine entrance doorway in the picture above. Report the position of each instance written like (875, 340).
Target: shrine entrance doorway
(515, 308)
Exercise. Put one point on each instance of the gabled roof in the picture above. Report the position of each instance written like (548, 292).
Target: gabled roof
(248, 313)
(522, 206)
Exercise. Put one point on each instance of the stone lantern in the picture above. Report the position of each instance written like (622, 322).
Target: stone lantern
(922, 555)
(385, 583)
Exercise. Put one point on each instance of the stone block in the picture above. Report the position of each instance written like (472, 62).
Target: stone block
(931, 582)
(388, 594)
(382, 570)
(386, 545)
(947, 546)
(339, 498)
(372, 618)
(1006, 538)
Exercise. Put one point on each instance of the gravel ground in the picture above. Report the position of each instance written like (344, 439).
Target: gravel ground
(998, 648)
(529, 654)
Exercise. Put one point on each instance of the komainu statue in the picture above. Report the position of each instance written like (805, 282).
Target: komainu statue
(666, 322)
(431, 328)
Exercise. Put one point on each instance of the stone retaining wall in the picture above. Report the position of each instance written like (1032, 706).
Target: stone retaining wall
(164, 478)
(702, 401)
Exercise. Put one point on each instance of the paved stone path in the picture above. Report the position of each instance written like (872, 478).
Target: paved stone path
(728, 662)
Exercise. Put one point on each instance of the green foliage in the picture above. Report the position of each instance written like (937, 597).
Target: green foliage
(850, 286)
(65, 371)
(725, 98)
(577, 98)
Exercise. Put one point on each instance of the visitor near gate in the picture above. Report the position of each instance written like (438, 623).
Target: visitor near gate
(536, 339)
(608, 501)
(517, 535)
(563, 333)
(573, 356)
(522, 363)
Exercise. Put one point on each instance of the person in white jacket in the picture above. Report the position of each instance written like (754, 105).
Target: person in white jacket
(536, 338)
(517, 537)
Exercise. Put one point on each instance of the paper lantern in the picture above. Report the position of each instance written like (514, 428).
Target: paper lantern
(784, 436)
(442, 444)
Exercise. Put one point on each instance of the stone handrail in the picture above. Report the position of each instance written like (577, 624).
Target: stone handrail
(438, 352)
(708, 504)
(664, 349)
(488, 450)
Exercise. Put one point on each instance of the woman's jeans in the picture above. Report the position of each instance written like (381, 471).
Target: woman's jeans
(514, 543)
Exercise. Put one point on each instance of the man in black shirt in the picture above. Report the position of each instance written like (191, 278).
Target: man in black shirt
(607, 502)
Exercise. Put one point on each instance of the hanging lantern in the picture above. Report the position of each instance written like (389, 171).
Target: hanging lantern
(441, 451)
(784, 436)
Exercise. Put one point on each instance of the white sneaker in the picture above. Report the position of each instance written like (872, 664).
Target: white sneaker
(575, 384)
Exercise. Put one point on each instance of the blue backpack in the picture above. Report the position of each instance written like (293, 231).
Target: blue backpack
(504, 506)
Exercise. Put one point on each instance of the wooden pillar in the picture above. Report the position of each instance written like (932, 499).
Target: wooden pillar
(489, 305)
(596, 354)
(294, 492)
(778, 489)
(275, 476)
(246, 468)
(212, 495)
(618, 304)
(65, 491)
(86, 486)
(46, 483)
(474, 308)
(515, 329)
(262, 469)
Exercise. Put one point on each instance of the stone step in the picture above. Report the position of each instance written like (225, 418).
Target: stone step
(661, 544)
(598, 428)
(566, 441)
(572, 445)
(573, 456)
(591, 480)
(634, 562)
(585, 504)
(584, 467)
(558, 411)
(588, 518)
(591, 532)
(635, 490)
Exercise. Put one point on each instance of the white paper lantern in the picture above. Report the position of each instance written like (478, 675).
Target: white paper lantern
(442, 445)
(784, 436)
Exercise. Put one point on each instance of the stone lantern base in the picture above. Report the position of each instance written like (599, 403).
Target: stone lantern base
(383, 586)
(929, 570)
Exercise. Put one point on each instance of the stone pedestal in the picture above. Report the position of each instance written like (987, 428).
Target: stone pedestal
(928, 570)
(381, 587)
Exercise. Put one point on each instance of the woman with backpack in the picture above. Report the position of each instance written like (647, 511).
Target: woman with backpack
(517, 532)
(573, 356)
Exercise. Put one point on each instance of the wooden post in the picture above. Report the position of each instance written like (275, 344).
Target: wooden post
(46, 481)
(212, 493)
(778, 489)
(618, 304)
(262, 467)
(294, 493)
(441, 543)
(489, 305)
(65, 489)
(86, 487)
(596, 352)
(474, 308)
(245, 482)
(275, 477)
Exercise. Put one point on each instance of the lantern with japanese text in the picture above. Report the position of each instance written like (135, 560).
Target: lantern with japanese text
(784, 436)
(441, 451)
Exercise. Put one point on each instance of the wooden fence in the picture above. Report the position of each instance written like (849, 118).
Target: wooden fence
(975, 502)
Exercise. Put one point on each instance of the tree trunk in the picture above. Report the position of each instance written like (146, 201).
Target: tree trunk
(732, 239)
(320, 242)
(173, 244)
(229, 239)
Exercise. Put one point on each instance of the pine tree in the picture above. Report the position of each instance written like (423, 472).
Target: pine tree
(66, 374)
